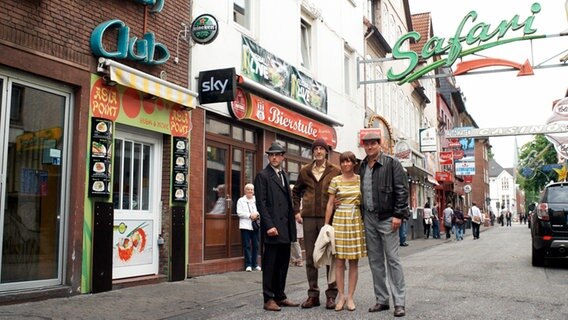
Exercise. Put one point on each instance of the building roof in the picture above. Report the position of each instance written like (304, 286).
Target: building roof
(421, 23)
(495, 168)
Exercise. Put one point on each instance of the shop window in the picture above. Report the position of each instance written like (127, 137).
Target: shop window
(35, 150)
(249, 136)
(238, 133)
(218, 127)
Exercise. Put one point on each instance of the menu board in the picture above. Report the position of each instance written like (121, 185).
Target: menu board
(101, 156)
(179, 170)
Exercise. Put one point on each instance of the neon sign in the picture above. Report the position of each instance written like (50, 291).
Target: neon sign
(479, 34)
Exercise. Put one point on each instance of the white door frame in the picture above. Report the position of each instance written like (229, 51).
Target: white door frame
(155, 140)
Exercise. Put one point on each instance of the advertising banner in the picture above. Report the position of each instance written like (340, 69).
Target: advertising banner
(130, 106)
(251, 107)
(428, 140)
(274, 73)
(465, 168)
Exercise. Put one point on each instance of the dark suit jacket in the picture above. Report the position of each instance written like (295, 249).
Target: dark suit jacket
(274, 203)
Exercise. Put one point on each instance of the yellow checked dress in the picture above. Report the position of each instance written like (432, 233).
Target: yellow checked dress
(347, 222)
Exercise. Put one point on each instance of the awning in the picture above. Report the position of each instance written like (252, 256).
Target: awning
(432, 181)
(130, 77)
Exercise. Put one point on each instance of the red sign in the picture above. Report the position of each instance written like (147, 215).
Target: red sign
(443, 176)
(104, 101)
(458, 154)
(239, 105)
(454, 143)
(467, 179)
(446, 157)
(273, 115)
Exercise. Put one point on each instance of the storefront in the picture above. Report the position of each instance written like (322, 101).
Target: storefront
(234, 139)
(138, 164)
(89, 167)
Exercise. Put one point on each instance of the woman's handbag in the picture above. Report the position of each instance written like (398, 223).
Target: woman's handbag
(256, 225)
(428, 220)
(477, 219)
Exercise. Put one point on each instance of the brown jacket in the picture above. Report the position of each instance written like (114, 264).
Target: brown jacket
(311, 192)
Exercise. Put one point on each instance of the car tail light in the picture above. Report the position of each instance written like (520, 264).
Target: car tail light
(542, 212)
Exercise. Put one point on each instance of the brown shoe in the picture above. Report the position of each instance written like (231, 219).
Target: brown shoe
(399, 311)
(311, 302)
(379, 307)
(271, 305)
(287, 303)
(330, 303)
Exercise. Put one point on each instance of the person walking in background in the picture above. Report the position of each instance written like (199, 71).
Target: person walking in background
(384, 193)
(348, 227)
(502, 216)
(402, 232)
(476, 220)
(310, 199)
(448, 220)
(248, 219)
(427, 220)
(508, 217)
(435, 222)
(296, 258)
(459, 222)
(277, 228)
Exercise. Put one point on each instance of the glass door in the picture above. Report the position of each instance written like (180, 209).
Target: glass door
(136, 197)
(33, 166)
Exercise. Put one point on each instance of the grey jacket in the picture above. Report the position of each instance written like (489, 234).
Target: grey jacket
(390, 188)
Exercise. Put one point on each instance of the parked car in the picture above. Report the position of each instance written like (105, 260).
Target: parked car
(549, 225)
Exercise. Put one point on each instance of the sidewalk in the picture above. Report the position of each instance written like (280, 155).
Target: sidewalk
(201, 297)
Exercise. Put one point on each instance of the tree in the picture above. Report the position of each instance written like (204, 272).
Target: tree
(534, 168)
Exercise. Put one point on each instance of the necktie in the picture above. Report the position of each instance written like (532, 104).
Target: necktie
(280, 173)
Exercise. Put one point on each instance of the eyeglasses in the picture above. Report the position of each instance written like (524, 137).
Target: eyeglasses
(275, 154)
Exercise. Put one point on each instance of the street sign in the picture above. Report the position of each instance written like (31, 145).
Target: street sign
(467, 188)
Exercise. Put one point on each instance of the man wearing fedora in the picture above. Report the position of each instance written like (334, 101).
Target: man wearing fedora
(311, 191)
(277, 228)
(384, 205)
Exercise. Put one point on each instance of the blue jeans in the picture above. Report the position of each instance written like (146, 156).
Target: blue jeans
(402, 232)
(459, 231)
(250, 247)
(435, 229)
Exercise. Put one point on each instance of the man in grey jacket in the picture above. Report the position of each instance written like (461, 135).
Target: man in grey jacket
(384, 204)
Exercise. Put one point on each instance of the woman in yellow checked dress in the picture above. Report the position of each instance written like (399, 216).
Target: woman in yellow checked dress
(348, 227)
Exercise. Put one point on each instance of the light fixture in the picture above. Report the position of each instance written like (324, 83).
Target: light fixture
(108, 82)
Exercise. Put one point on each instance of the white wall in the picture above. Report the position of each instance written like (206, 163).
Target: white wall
(276, 28)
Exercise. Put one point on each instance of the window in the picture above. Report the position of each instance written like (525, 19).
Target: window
(505, 184)
(306, 45)
(347, 72)
(241, 13)
(297, 154)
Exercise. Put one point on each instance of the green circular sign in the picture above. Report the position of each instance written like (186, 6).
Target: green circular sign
(204, 29)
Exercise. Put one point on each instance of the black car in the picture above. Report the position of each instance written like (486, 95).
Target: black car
(549, 225)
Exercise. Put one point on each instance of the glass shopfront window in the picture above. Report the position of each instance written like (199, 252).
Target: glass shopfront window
(34, 120)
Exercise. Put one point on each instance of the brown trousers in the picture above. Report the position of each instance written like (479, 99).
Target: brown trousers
(312, 227)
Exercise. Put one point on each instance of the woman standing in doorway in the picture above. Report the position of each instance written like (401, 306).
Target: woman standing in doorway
(248, 218)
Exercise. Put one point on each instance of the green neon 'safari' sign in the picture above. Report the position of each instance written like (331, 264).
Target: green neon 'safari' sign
(480, 33)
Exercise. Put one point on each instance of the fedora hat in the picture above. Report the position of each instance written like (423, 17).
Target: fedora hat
(371, 136)
(275, 148)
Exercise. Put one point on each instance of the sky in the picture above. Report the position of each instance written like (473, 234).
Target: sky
(503, 99)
